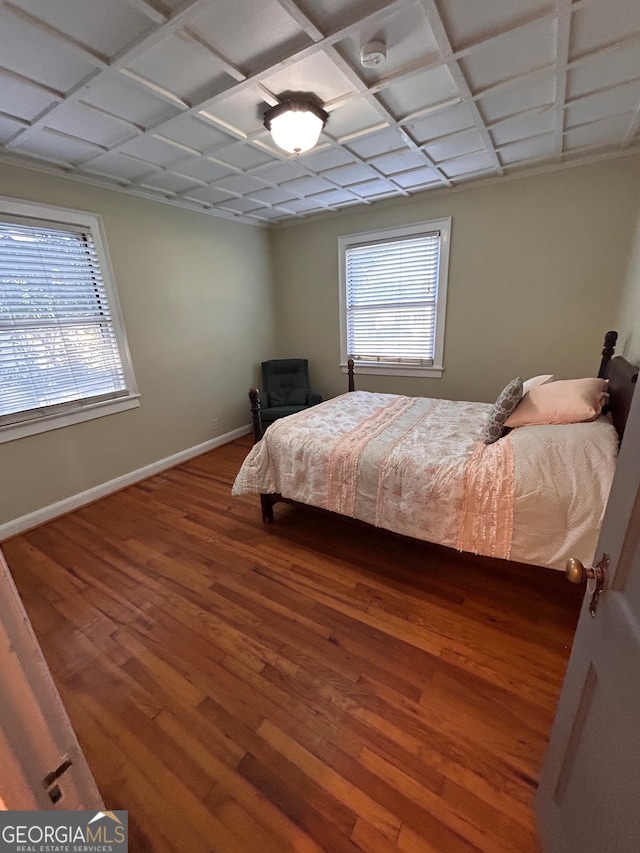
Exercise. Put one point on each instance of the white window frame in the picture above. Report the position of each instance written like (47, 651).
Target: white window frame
(384, 235)
(78, 411)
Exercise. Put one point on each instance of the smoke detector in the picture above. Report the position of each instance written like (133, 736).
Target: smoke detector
(373, 54)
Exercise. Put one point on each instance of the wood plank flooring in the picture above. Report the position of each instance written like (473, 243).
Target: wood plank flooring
(317, 685)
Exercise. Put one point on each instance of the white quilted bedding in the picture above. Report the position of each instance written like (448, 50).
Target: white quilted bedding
(417, 466)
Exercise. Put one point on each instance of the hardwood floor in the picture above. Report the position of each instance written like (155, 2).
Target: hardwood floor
(317, 685)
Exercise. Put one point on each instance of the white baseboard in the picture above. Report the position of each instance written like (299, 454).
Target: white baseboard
(40, 516)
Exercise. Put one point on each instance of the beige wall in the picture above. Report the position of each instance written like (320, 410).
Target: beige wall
(195, 292)
(535, 277)
(628, 323)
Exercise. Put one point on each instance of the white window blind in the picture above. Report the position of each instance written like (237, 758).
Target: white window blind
(391, 299)
(58, 343)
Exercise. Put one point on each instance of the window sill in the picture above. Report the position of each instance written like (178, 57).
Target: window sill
(10, 432)
(364, 368)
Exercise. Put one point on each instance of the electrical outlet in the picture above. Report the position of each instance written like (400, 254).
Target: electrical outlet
(215, 423)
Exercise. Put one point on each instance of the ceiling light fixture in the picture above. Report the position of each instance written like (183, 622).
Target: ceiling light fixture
(295, 124)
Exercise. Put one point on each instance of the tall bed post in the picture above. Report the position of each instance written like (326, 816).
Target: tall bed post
(607, 352)
(256, 422)
(352, 381)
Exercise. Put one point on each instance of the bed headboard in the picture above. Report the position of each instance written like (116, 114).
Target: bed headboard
(622, 376)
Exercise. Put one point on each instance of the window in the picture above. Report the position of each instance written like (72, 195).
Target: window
(393, 286)
(63, 354)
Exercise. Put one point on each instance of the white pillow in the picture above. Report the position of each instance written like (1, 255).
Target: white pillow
(535, 381)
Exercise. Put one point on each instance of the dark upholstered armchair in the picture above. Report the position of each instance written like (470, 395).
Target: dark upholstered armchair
(285, 389)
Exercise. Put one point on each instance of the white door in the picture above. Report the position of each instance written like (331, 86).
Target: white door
(41, 763)
(589, 795)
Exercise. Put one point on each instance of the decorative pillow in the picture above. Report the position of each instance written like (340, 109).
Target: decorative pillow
(507, 401)
(535, 381)
(568, 401)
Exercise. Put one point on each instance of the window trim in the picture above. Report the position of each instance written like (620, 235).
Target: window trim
(381, 235)
(76, 412)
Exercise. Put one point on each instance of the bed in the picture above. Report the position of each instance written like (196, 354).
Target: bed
(432, 470)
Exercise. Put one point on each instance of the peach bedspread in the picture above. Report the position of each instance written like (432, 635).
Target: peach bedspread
(417, 466)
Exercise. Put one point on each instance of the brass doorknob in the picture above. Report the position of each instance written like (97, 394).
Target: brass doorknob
(576, 572)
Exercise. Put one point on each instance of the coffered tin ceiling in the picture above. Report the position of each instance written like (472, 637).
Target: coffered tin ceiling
(165, 99)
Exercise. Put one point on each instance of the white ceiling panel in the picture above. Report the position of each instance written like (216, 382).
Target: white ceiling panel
(38, 55)
(202, 169)
(8, 129)
(316, 73)
(192, 132)
(605, 69)
(528, 48)
(242, 112)
(329, 15)
(441, 123)
(329, 158)
(120, 167)
(166, 98)
(210, 195)
(465, 142)
(271, 214)
(240, 205)
(394, 163)
(305, 205)
(419, 91)
(354, 117)
(271, 195)
(248, 35)
(524, 126)
(278, 173)
(121, 97)
(375, 144)
(169, 182)
(82, 121)
(471, 165)
(242, 156)
(22, 100)
(151, 150)
(371, 189)
(241, 184)
(107, 27)
(307, 186)
(470, 23)
(50, 145)
(333, 197)
(174, 65)
(518, 98)
(603, 23)
(597, 133)
(622, 99)
(352, 174)
(528, 149)
(417, 178)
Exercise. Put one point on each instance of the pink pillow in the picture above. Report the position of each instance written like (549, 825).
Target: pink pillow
(568, 401)
(535, 381)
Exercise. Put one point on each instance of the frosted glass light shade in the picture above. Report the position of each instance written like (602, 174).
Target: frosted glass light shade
(295, 125)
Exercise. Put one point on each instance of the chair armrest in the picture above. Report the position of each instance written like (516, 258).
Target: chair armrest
(314, 398)
(263, 399)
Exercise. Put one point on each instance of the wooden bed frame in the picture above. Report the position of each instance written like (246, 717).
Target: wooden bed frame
(621, 374)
